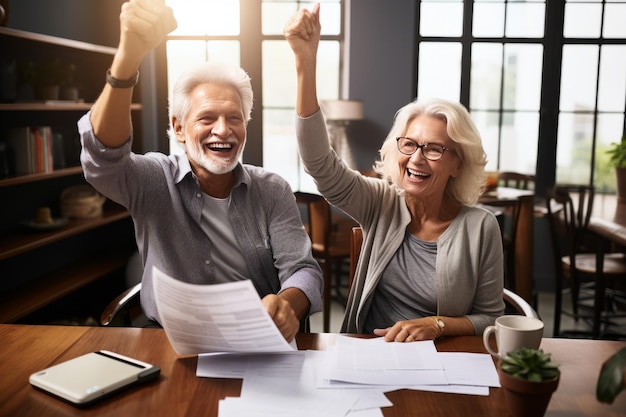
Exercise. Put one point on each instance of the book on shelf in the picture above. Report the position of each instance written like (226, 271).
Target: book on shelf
(30, 149)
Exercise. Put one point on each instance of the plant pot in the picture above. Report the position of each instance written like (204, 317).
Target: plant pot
(48, 92)
(524, 398)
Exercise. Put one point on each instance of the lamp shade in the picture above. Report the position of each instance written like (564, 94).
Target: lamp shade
(342, 109)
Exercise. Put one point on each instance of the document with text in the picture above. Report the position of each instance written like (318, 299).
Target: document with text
(215, 318)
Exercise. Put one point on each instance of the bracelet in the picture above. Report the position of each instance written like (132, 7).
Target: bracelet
(115, 83)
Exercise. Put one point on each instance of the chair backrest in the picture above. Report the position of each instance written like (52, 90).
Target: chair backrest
(511, 299)
(568, 220)
(355, 250)
(516, 180)
(319, 221)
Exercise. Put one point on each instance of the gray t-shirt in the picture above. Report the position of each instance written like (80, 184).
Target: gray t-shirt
(408, 287)
(225, 259)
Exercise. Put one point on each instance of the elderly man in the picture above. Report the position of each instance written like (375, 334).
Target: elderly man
(202, 217)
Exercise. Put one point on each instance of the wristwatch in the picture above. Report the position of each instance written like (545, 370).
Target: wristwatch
(441, 324)
(117, 83)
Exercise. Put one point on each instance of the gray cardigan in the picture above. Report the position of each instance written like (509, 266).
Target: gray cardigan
(470, 271)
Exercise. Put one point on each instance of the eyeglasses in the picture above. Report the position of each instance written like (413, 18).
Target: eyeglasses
(431, 151)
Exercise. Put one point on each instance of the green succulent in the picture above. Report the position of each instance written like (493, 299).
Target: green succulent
(530, 364)
(618, 153)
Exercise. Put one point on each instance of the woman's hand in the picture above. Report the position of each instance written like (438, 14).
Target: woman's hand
(302, 32)
(425, 328)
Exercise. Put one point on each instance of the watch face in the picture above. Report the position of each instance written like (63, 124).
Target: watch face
(440, 323)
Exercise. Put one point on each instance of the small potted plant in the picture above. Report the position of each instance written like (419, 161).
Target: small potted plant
(48, 81)
(69, 89)
(618, 160)
(528, 378)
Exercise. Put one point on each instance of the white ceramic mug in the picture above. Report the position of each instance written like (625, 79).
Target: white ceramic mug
(513, 333)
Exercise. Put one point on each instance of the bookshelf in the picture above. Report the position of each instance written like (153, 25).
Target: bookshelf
(41, 267)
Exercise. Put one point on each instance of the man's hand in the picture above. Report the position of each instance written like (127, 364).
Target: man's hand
(302, 32)
(283, 315)
(144, 24)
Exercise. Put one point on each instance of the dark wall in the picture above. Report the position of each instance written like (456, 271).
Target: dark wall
(94, 21)
(382, 64)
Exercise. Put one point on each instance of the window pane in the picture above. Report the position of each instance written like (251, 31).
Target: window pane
(488, 124)
(578, 77)
(522, 76)
(614, 21)
(183, 54)
(276, 13)
(582, 20)
(441, 19)
(206, 17)
(486, 76)
(525, 20)
(612, 89)
(604, 175)
(279, 74)
(280, 149)
(488, 20)
(439, 70)
(518, 150)
(573, 150)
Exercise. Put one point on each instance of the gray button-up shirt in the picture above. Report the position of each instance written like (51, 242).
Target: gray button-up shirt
(165, 201)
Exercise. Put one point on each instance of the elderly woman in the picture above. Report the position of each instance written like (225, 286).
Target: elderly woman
(431, 263)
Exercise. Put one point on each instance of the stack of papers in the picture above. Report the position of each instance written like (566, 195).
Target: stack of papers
(348, 379)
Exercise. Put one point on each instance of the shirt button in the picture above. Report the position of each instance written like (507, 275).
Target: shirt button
(198, 195)
(207, 262)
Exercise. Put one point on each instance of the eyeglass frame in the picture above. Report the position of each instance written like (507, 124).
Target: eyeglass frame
(421, 147)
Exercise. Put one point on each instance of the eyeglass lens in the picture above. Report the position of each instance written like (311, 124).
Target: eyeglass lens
(430, 151)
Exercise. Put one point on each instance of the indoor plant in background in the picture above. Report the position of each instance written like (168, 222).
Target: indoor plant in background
(612, 379)
(528, 378)
(618, 160)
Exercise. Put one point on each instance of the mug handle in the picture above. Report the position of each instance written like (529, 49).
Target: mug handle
(486, 336)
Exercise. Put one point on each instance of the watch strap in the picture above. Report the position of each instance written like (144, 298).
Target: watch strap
(117, 83)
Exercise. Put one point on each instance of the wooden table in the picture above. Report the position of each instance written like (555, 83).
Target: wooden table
(524, 237)
(610, 226)
(26, 349)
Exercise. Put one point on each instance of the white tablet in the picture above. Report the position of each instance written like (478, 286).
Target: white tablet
(93, 376)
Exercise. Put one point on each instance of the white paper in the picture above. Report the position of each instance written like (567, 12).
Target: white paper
(287, 382)
(464, 368)
(284, 384)
(215, 318)
(374, 361)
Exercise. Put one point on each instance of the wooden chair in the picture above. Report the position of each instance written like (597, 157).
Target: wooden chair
(512, 212)
(125, 309)
(330, 242)
(575, 257)
(120, 310)
(515, 304)
(516, 180)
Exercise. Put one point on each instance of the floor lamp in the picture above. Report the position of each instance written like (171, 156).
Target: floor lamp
(339, 114)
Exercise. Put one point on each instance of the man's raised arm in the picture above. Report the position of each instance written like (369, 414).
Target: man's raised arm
(144, 24)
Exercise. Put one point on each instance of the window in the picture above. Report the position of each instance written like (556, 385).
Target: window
(516, 63)
(249, 33)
